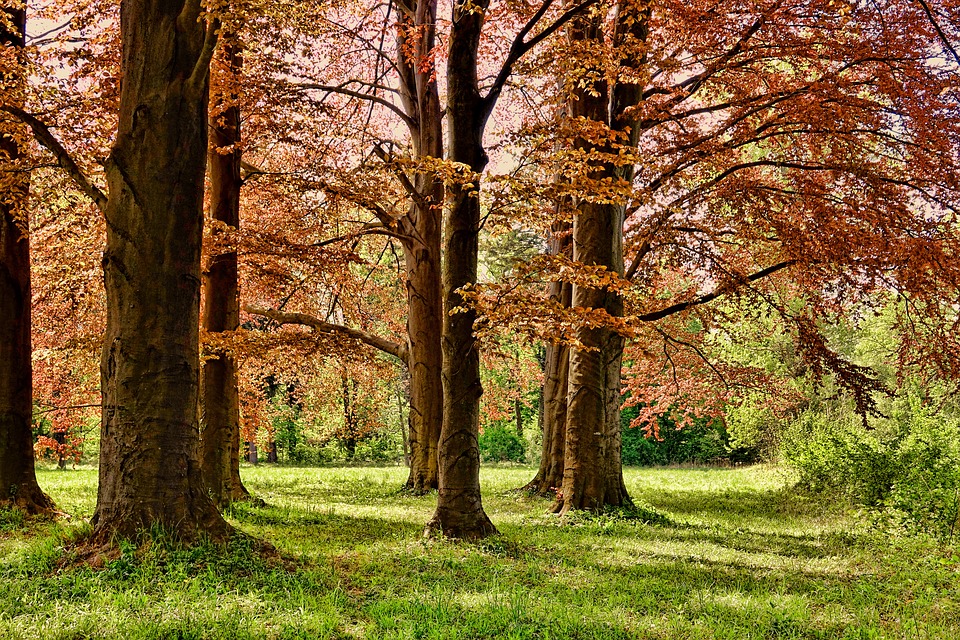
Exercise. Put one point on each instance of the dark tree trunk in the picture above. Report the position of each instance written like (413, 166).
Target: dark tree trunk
(220, 434)
(18, 479)
(460, 511)
(421, 230)
(149, 457)
(549, 476)
(593, 473)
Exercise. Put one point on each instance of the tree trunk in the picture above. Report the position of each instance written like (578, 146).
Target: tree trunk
(593, 472)
(220, 435)
(459, 507)
(18, 479)
(149, 456)
(593, 475)
(549, 476)
(421, 244)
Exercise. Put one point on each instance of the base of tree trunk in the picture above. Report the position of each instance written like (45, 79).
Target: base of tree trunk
(187, 523)
(460, 524)
(542, 486)
(614, 496)
(31, 500)
(419, 486)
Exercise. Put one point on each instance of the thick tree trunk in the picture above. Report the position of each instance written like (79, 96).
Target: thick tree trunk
(18, 479)
(593, 473)
(421, 244)
(149, 456)
(220, 434)
(459, 507)
(549, 476)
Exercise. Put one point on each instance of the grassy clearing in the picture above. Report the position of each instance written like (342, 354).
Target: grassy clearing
(741, 557)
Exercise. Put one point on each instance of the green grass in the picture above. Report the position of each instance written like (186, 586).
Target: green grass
(741, 556)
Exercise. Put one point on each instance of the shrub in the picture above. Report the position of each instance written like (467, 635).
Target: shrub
(502, 444)
(907, 468)
(704, 441)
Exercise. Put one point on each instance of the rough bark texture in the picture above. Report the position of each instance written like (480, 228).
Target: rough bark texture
(220, 434)
(549, 476)
(18, 480)
(149, 460)
(593, 474)
(459, 508)
(421, 229)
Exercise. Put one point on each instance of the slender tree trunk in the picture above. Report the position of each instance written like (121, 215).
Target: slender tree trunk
(18, 479)
(220, 434)
(149, 456)
(421, 244)
(593, 472)
(549, 477)
(404, 440)
(424, 327)
(460, 511)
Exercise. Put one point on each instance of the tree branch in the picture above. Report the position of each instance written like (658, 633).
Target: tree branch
(342, 90)
(520, 47)
(713, 295)
(936, 26)
(395, 349)
(46, 138)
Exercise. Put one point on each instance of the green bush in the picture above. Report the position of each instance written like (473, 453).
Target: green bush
(702, 442)
(502, 444)
(907, 467)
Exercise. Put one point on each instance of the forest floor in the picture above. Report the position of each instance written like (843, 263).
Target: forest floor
(742, 556)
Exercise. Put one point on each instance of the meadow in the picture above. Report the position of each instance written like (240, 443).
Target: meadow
(714, 553)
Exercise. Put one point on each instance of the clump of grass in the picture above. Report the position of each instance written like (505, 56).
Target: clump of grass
(11, 518)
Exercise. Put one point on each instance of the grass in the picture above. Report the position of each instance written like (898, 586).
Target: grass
(738, 556)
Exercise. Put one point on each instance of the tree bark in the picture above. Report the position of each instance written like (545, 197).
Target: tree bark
(18, 479)
(593, 472)
(220, 434)
(549, 477)
(460, 511)
(149, 457)
(422, 231)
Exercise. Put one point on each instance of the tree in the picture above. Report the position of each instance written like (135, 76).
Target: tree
(18, 481)
(761, 155)
(149, 463)
(220, 398)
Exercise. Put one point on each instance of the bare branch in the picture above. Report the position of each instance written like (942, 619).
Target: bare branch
(387, 346)
(360, 95)
(46, 138)
(520, 46)
(713, 295)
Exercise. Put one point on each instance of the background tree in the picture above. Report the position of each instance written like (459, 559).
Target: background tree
(220, 398)
(815, 180)
(18, 482)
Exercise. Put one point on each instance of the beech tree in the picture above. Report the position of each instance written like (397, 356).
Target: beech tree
(220, 397)
(759, 154)
(18, 481)
(149, 459)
